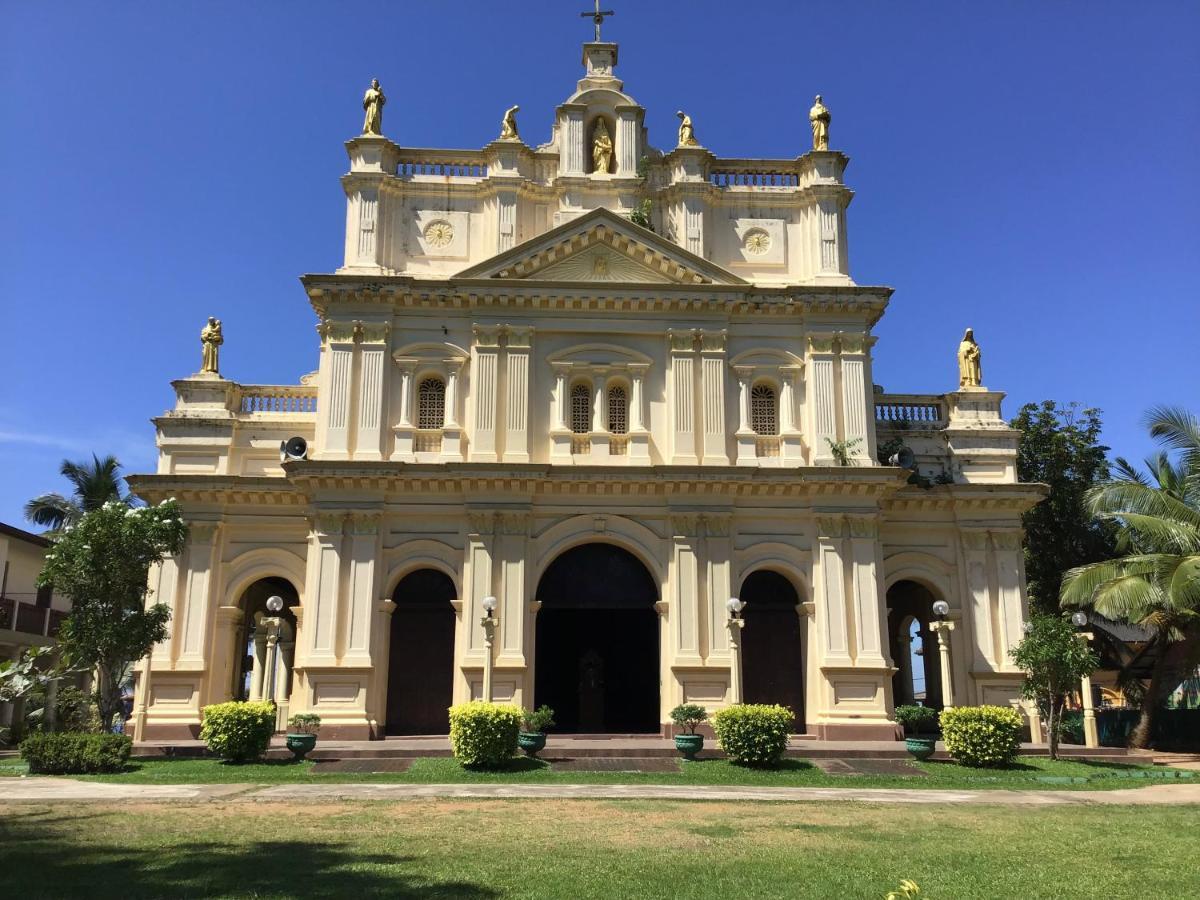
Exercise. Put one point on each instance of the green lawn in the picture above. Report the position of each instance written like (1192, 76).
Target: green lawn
(791, 773)
(594, 849)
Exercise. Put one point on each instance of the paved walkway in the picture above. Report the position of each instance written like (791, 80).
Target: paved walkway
(35, 789)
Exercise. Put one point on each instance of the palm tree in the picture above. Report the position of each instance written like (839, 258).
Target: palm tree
(95, 484)
(1156, 582)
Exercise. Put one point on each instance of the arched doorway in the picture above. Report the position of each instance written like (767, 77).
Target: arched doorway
(259, 675)
(914, 647)
(421, 654)
(597, 642)
(772, 666)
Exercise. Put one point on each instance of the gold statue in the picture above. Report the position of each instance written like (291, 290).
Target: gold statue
(819, 117)
(687, 135)
(969, 372)
(602, 148)
(210, 339)
(373, 102)
(508, 127)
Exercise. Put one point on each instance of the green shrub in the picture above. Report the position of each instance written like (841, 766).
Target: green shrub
(75, 710)
(754, 734)
(982, 735)
(71, 753)
(484, 734)
(238, 732)
(689, 716)
(538, 720)
(916, 720)
(304, 723)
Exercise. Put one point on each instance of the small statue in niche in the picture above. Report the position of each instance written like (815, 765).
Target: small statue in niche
(687, 134)
(210, 340)
(602, 148)
(508, 127)
(373, 102)
(819, 118)
(970, 374)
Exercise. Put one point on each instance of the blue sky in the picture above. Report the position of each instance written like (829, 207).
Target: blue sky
(1026, 168)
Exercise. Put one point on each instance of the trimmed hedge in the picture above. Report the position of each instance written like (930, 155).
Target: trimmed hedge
(74, 753)
(753, 734)
(982, 736)
(238, 731)
(484, 734)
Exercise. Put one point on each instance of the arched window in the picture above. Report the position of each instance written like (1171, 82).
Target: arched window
(764, 411)
(431, 403)
(581, 409)
(618, 411)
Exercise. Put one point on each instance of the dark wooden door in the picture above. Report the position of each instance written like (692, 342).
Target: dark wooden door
(421, 655)
(772, 667)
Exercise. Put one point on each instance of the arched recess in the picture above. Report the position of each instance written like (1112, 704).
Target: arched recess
(623, 532)
(421, 653)
(914, 647)
(261, 672)
(772, 642)
(597, 641)
(420, 554)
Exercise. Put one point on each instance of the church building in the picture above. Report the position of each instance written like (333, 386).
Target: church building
(593, 424)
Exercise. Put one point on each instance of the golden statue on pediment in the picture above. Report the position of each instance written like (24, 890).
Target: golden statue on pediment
(602, 148)
(373, 101)
(687, 134)
(970, 373)
(211, 340)
(508, 126)
(819, 118)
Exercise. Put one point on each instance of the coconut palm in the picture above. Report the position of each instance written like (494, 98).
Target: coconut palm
(95, 483)
(1156, 582)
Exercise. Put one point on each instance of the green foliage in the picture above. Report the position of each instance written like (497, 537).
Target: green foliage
(643, 213)
(753, 734)
(66, 753)
(917, 719)
(841, 450)
(29, 671)
(1060, 447)
(75, 710)
(237, 731)
(304, 723)
(689, 716)
(102, 563)
(1054, 658)
(95, 484)
(484, 734)
(979, 736)
(538, 720)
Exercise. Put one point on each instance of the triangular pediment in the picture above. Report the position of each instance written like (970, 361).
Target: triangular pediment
(602, 246)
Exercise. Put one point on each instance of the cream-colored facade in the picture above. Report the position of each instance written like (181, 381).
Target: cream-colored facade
(509, 369)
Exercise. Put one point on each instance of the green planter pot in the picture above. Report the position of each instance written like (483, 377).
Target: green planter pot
(301, 744)
(920, 747)
(532, 742)
(689, 744)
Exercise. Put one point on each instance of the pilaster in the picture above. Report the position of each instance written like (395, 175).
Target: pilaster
(362, 575)
(323, 587)
(712, 381)
(336, 387)
(200, 583)
(485, 353)
(683, 399)
(519, 348)
(822, 408)
(372, 390)
(685, 589)
(857, 400)
(512, 539)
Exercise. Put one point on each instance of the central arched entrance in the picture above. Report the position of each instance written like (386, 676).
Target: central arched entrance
(421, 654)
(597, 642)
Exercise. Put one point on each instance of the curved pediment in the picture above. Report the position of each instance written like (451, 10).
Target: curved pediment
(425, 350)
(599, 354)
(602, 246)
(766, 356)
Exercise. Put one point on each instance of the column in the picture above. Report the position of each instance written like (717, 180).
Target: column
(682, 374)
(747, 449)
(451, 430)
(639, 436)
(335, 390)
(712, 381)
(791, 438)
(830, 590)
(560, 435)
(203, 558)
(372, 390)
(943, 629)
(822, 408)
(506, 220)
(516, 433)
(258, 670)
(361, 578)
(856, 399)
(904, 666)
(1091, 734)
(869, 632)
(486, 352)
(600, 442)
(685, 589)
(323, 587)
(402, 450)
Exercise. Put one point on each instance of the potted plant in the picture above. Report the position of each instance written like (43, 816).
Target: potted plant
(689, 716)
(919, 724)
(532, 737)
(302, 734)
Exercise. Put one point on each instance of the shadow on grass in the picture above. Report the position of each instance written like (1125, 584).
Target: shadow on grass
(956, 768)
(47, 855)
(515, 766)
(783, 765)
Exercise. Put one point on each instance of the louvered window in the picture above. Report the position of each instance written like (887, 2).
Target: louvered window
(581, 409)
(618, 411)
(764, 411)
(431, 403)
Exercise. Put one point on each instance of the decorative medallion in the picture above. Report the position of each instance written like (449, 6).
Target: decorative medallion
(756, 242)
(439, 234)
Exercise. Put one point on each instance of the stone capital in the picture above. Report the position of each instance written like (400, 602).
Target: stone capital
(1006, 540)
(486, 335)
(202, 532)
(685, 524)
(712, 341)
(852, 343)
(682, 340)
(829, 525)
(513, 522)
(519, 337)
(375, 332)
(974, 540)
(328, 524)
(820, 342)
(365, 523)
(717, 524)
(481, 521)
(863, 526)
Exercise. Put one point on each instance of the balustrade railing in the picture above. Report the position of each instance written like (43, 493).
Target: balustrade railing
(278, 398)
(441, 164)
(754, 173)
(910, 411)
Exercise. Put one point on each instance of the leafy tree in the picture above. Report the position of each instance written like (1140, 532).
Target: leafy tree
(30, 672)
(95, 484)
(1054, 658)
(1060, 447)
(1155, 581)
(102, 563)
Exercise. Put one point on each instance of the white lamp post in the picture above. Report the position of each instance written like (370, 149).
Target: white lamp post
(274, 606)
(735, 624)
(1091, 734)
(942, 627)
(488, 621)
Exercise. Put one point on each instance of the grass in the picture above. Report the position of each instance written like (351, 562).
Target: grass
(592, 849)
(1026, 774)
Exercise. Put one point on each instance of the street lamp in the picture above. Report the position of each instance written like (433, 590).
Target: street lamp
(274, 606)
(735, 624)
(1091, 734)
(488, 621)
(942, 628)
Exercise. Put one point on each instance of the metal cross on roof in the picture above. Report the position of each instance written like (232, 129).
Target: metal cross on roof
(597, 17)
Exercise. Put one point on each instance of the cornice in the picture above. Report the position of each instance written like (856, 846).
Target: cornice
(967, 498)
